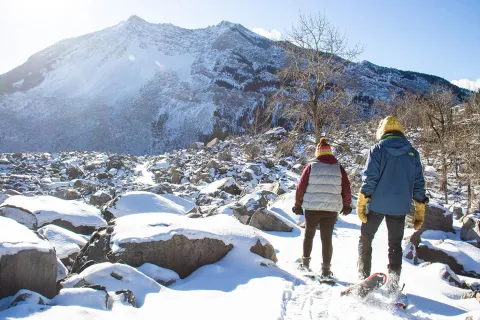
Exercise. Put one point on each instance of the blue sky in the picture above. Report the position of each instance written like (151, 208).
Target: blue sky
(440, 37)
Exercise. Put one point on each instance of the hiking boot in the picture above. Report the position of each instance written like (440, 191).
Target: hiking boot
(392, 285)
(306, 262)
(326, 272)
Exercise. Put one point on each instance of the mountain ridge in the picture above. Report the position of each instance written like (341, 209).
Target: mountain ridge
(144, 88)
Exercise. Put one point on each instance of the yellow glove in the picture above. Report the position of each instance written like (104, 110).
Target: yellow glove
(419, 215)
(362, 207)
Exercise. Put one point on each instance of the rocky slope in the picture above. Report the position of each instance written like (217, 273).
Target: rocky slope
(143, 88)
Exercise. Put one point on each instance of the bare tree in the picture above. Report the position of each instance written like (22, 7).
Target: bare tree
(312, 83)
(468, 145)
(439, 127)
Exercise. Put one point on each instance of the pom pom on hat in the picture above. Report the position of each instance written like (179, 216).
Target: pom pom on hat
(323, 142)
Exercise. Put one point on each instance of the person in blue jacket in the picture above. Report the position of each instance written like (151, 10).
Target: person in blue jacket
(392, 177)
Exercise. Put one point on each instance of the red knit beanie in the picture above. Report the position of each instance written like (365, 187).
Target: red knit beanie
(323, 148)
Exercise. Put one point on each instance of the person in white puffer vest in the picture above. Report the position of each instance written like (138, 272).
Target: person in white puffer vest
(323, 191)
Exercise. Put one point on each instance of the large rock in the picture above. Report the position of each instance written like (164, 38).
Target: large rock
(141, 202)
(95, 297)
(244, 209)
(163, 276)
(227, 185)
(471, 228)
(461, 257)
(75, 172)
(436, 218)
(100, 198)
(36, 212)
(268, 220)
(170, 241)
(66, 243)
(213, 143)
(28, 297)
(26, 261)
(114, 277)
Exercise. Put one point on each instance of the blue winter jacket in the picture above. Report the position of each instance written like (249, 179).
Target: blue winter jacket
(393, 176)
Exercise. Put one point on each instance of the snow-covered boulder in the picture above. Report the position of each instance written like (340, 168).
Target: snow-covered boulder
(141, 202)
(28, 297)
(36, 212)
(244, 209)
(277, 132)
(228, 185)
(471, 228)
(66, 243)
(171, 241)
(274, 187)
(163, 276)
(26, 261)
(95, 298)
(436, 218)
(268, 220)
(115, 277)
(461, 257)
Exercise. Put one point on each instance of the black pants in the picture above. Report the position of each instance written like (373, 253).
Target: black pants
(327, 220)
(395, 226)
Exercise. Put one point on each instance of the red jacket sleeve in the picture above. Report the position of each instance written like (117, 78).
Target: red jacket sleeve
(346, 192)
(302, 185)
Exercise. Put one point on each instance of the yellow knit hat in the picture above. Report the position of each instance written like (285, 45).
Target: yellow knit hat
(389, 124)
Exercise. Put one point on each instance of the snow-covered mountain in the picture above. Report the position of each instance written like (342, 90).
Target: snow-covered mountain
(143, 88)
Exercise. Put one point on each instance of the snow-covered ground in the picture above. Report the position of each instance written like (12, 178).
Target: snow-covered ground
(237, 287)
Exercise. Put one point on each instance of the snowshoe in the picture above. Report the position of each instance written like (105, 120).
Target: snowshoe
(367, 286)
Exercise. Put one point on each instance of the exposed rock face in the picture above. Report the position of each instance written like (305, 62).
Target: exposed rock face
(95, 250)
(180, 254)
(27, 262)
(471, 228)
(436, 218)
(75, 172)
(100, 198)
(213, 143)
(29, 269)
(268, 221)
(244, 209)
(458, 213)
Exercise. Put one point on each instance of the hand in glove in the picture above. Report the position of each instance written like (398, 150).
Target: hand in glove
(419, 215)
(362, 207)
(297, 210)
(347, 209)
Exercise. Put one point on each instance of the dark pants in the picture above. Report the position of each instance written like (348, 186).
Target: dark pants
(327, 220)
(395, 226)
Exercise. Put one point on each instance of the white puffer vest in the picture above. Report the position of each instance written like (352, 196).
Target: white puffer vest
(324, 190)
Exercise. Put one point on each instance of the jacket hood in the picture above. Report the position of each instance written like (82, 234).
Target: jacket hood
(396, 144)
